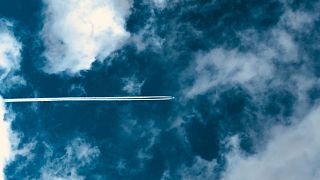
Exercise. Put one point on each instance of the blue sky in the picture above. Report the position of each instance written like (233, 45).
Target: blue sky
(245, 75)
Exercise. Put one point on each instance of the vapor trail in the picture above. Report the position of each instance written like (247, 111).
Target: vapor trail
(124, 98)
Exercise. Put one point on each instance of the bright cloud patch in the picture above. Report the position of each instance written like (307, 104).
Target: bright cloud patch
(5, 147)
(9, 63)
(270, 61)
(9, 50)
(293, 154)
(222, 67)
(76, 33)
(160, 3)
(132, 85)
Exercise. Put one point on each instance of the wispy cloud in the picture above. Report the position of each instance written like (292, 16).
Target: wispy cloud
(10, 57)
(132, 85)
(256, 62)
(160, 3)
(77, 33)
(78, 154)
(265, 62)
(200, 169)
(221, 67)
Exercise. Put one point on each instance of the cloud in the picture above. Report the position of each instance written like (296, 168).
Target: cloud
(293, 153)
(10, 57)
(77, 33)
(257, 60)
(147, 133)
(147, 38)
(9, 50)
(5, 146)
(200, 169)
(298, 20)
(160, 3)
(221, 66)
(78, 154)
(132, 85)
(10, 141)
(265, 62)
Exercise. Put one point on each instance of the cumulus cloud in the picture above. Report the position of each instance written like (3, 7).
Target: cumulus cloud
(77, 33)
(293, 153)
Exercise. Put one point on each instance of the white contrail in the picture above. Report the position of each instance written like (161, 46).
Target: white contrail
(124, 98)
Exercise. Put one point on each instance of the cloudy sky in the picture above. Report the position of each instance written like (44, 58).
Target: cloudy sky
(245, 75)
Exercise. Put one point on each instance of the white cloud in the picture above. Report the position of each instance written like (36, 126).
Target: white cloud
(268, 61)
(200, 169)
(284, 44)
(147, 37)
(10, 57)
(77, 89)
(221, 66)
(10, 141)
(77, 33)
(292, 154)
(160, 3)
(298, 20)
(132, 85)
(5, 146)
(254, 66)
(79, 154)
(146, 133)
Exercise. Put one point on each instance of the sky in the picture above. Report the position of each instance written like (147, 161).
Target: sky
(244, 74)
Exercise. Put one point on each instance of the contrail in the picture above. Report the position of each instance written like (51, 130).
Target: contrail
(59, 99)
